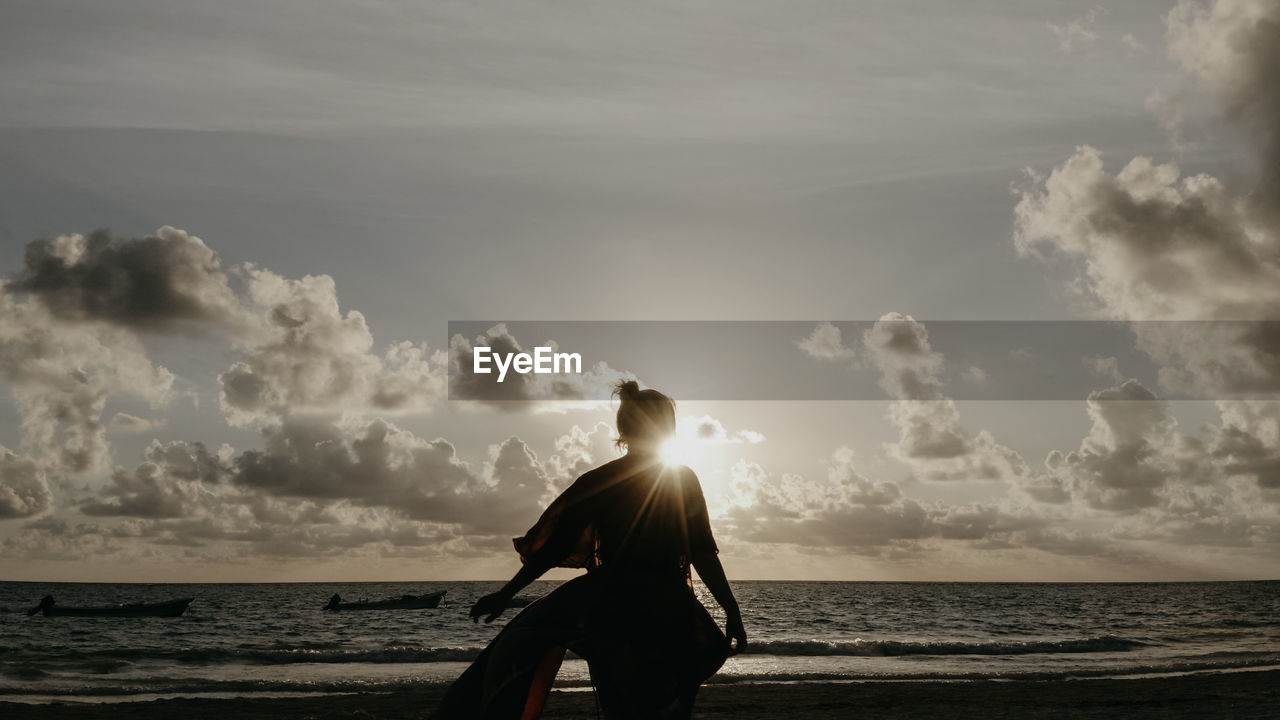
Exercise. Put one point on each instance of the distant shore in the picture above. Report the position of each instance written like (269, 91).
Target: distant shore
(1220, 695)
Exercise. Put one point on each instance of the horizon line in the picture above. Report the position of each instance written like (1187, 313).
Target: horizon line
(500, 580)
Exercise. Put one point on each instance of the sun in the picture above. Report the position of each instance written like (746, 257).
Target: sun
(679, 451)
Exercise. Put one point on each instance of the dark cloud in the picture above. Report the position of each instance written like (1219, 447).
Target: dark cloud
(1230, 47)
(312, 491)
(173, 480)
(380, 465)
(310, 472)
(1248, 442)
(1128, 456)
(153, 283)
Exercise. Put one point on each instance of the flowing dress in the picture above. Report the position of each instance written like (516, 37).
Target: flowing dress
(635, 525)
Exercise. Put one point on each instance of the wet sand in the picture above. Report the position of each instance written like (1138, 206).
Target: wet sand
(1232, 695)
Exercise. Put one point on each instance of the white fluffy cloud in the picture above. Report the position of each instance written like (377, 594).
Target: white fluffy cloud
(302, 353)
(60, 376)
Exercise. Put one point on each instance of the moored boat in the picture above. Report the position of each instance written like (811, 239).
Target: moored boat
(168, 608)
(404, 602)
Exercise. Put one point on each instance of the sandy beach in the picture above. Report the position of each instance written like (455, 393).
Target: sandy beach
(1232, 695)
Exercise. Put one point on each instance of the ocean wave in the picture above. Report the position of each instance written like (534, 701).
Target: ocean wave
(1170, 669)
(109, 660)
(895, 648)
(197, 686)
(171, 686)
(280, 655)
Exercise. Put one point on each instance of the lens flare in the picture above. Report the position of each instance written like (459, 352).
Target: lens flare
(678, 451)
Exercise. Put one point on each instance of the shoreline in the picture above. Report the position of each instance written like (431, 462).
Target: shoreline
(1244, 694)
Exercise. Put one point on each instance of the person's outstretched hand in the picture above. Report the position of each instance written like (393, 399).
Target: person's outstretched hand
(492, 605)
(735, 631)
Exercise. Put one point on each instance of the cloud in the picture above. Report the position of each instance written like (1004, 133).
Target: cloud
(909, 367)
(846, 511)
(69, 325)
(159, 282)
(1134, 466)
(579, 450)
(299, 351)
(932, 440)
(1149, 243)
(1201, 515)
(1152, 244)
(123, 422)
(60, 376)
(237, 528)
(1079, 33)
(826, 343)
(1135, 46)
(707, 429)
(1129, 454)
(23, 490)
(1229, 47)
(849, 512)
(315, 489)
(311, 459)
(1247, 443)
(1106, 367)
(174, 479)
(304, 354)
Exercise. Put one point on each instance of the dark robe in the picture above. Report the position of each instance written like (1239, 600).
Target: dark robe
(634, 525)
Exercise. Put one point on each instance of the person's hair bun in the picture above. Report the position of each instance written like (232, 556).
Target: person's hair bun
(628, 390)
(645, 416)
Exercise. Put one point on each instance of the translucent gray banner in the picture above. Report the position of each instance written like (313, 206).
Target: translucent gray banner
(894, 358)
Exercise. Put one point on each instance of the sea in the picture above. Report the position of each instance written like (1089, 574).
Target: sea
(274, 639)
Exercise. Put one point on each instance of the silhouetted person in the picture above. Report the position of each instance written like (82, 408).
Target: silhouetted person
(45, 602)
(334, 602)
(637, 526)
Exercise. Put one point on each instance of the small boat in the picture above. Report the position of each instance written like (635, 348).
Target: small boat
(404, 602)
(168, 608)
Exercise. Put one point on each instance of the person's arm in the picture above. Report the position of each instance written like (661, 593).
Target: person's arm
(493, 604)
(704, 557)
(566, 519)
(707, 563)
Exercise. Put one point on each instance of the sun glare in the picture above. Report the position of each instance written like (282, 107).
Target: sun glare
(679, 451)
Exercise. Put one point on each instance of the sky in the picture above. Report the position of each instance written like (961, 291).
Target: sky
(233, 238)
